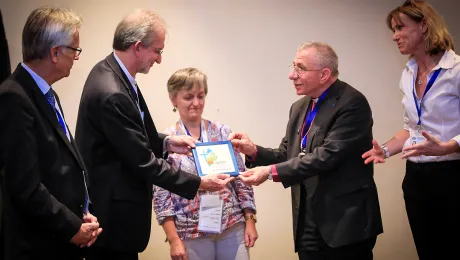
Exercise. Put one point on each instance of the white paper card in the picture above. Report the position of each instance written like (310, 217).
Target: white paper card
(210, 214)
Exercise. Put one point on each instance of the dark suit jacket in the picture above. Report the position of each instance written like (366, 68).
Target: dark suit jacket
(5, 66)
(42, 176)
(122, 154)
(345, 203)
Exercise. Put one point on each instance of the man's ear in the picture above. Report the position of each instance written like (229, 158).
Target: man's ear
(54, 53)
(137, 47)
(325, 75)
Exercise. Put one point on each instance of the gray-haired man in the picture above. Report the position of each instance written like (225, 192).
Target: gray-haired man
(43, 178)
(121, 146)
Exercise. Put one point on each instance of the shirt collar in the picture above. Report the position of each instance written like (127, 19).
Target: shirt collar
(448, 60)
(42, 84)
(130, 78)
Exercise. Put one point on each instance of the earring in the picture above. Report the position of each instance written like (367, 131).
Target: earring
(174, 109)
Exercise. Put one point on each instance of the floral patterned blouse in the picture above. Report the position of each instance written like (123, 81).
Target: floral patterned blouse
(236, 196)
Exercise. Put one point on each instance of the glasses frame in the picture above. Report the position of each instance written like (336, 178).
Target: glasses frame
(157, 50)
(299, 71)
(76, 50)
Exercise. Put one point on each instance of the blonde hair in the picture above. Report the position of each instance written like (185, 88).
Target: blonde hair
(186, 79)
(47, 27)
(437, 37)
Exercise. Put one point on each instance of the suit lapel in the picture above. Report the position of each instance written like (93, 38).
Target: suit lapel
(333, 93)
(151, 132)
(119, 72)
(25, 79)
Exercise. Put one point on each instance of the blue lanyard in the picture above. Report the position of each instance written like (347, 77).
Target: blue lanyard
(189, 134)
(309, 119)
(428, 87)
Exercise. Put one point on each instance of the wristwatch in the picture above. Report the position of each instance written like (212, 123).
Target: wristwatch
(386, 151)
(270, 176)
(250, 216)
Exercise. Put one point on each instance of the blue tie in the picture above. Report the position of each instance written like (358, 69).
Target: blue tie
(52, 101)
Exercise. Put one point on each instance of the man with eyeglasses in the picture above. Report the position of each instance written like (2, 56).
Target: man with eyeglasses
(42, 176)
(335, 208)
(121, 146)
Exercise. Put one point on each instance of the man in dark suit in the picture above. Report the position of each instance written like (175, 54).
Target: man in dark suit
(335, 206)
(121, 146)
(43, 178)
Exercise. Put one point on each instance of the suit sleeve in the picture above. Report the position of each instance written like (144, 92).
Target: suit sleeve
(123, 127)
(343, 138)
(19, 153)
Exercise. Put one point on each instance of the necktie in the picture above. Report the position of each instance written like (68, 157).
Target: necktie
(311, 114)
(52, 101)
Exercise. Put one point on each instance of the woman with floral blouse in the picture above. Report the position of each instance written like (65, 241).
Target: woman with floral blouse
(179, 217)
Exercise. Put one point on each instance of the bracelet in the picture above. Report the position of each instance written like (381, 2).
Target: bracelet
(386, 151)
(270, 176)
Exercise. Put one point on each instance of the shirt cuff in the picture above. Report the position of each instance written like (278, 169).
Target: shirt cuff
(252, 158)
(457, 139)
(166, 141)
(275, 176)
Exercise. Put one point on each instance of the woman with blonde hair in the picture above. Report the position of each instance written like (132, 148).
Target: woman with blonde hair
(430, 139)
(180, 217)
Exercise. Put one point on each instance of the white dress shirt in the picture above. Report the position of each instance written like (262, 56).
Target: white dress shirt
(440, 107)
(45, 87)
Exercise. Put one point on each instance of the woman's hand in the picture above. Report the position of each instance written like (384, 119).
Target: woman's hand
(250, 233)
(177, 250)
(431, 147)
(376, 154)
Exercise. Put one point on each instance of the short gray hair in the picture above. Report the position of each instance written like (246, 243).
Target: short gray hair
(138, 26)
(186, 79)
(325, 55)
(45, 28)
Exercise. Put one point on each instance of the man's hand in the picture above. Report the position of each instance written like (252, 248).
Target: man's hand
(86, 234)
(89, 218)
(243, 144)
(250, 233)
(181, 144)
(375, 155)
(255, 176)
(215, 182)
(431, 147)
(177, 250)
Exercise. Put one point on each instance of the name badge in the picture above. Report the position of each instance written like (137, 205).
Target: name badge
(210, 220)
(416, 137)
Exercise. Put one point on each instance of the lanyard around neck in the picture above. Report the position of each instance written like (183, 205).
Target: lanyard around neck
(203, 133)
(309, 119)
(428, 87)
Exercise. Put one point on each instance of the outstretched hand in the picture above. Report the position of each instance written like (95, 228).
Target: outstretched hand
(375, 155)
(431, 147)
(242, 143)
(215, 182)
(255, 176)
(181, 144)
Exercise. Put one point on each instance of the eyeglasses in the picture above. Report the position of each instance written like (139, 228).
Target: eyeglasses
(156, 50)
(300, 71)
(76, 50)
